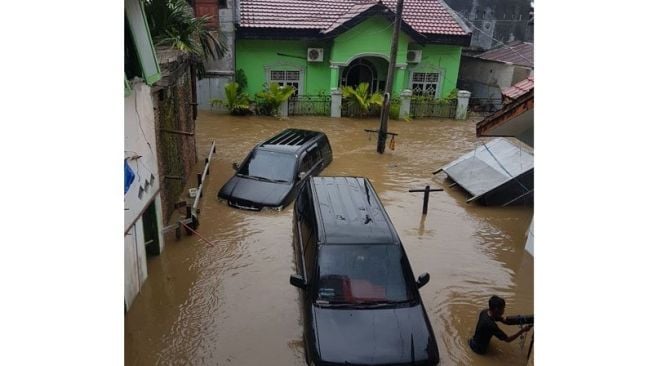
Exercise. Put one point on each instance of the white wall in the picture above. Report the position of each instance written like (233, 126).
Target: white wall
(140, 140)
(135, 262)
(485, 78)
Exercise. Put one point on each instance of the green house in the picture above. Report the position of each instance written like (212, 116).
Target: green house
(320, 46)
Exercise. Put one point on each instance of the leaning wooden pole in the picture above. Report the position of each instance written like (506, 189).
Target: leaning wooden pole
(385, 111)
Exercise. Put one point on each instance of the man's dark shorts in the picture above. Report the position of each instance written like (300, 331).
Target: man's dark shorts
(473, 346)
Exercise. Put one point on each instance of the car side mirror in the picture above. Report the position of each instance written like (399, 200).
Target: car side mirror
(423, 279)
(297, 281)
(234, 166)
(301, 175)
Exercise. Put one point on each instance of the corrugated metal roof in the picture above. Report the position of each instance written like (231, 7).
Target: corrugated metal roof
(489, 166)
(516, 52)
(424, 16)
(520, 88)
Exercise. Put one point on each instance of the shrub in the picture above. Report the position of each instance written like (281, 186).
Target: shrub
(236, 102)
(271, 97)
(362, 98)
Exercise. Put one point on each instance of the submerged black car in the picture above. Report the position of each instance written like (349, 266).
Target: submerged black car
(273, 171)
(361, 304)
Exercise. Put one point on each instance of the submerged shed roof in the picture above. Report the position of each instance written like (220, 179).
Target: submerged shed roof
(489, 166)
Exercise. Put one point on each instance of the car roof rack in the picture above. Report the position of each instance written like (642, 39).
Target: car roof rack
(291, 137)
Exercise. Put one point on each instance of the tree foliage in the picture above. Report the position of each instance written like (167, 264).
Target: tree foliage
(173, 24)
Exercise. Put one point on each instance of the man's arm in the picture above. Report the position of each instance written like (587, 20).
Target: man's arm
(514, 336)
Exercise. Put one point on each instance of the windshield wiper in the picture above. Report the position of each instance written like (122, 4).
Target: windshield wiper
(380, 303)
(267, 179)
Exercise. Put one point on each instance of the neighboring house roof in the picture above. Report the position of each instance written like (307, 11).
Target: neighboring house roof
(519, 89)
(516, 52)
(516, 118)
(423, 16)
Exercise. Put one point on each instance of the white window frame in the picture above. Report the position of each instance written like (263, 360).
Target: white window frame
(285, 67)
(438, 83)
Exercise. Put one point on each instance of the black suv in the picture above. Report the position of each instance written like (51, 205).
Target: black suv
(273, 171)
(361, 304)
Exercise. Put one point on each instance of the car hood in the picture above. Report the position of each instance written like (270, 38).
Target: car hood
(374, 336)
(252, 193)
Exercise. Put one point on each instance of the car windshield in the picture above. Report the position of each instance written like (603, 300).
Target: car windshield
(269, 165)
(359, 274)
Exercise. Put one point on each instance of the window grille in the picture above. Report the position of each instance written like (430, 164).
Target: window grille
(282, 78)
(425, 83)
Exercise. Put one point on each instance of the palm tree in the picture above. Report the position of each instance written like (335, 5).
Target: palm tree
(361, 96)
(173, 24)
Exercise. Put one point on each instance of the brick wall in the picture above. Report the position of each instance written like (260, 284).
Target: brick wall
(174, 114)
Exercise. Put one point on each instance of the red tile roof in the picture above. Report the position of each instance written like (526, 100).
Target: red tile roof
(516, 52)
(519, 89)
(424, 16)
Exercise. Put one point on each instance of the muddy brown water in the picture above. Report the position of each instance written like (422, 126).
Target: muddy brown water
(230, 303)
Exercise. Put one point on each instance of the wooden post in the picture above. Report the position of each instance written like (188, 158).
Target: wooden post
(425, 206)
(427, 190)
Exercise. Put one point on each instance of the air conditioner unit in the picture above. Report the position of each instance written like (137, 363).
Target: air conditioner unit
(414, 56)
(315, 54)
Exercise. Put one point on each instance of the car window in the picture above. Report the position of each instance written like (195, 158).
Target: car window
(326, 148)
(269, 165)
(356, 274)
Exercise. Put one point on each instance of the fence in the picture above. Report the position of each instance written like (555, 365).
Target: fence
(309, 105)
(421, 107)
(484, 106)
(351, 109)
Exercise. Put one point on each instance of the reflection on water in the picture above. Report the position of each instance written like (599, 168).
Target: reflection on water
(231, 303)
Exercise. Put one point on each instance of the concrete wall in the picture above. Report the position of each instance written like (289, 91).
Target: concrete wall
(140, 152)
(220, 71)
(485, 79)
(135, 262)
(140, 140)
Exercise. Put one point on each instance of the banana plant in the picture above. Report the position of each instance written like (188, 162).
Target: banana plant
(273, 95)
(237, 103)
(361, 96)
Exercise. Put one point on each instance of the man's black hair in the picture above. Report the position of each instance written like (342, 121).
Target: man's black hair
(496, 302)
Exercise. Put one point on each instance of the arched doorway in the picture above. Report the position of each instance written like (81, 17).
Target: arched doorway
(365, 70)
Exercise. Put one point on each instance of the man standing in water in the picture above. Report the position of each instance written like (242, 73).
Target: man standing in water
(487, 326)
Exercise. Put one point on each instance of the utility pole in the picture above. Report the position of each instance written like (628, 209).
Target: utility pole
(385, 110)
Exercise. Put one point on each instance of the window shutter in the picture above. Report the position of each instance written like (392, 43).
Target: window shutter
(142, 40)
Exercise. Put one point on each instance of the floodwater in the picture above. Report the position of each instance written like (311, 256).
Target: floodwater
(228, 302)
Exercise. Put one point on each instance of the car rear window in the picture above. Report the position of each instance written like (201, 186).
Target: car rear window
(355, 274)
(270, 165)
